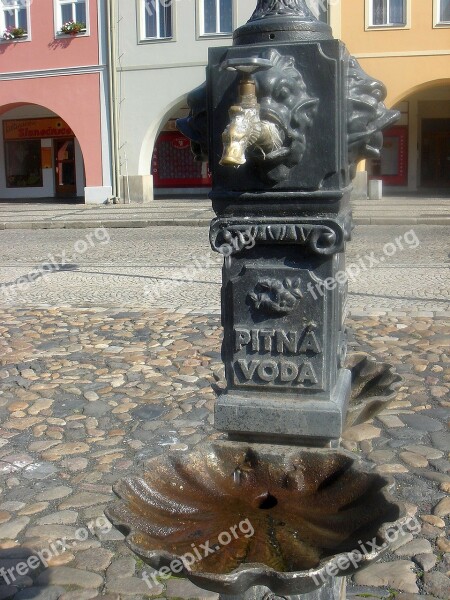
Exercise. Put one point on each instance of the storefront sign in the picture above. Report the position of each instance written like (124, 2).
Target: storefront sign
(31, 129)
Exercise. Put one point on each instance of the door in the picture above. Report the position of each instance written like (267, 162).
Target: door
(435, 153)
(436, 159)
(65, 170)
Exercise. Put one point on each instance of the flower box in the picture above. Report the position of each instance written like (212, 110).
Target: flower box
(14, 33)
(72, 28)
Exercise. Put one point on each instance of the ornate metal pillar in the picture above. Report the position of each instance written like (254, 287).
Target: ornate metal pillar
(288, 113)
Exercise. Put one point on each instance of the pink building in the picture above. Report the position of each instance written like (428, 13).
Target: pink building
(55, 120)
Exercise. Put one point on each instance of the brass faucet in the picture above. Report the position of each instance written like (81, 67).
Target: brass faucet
(246, 130)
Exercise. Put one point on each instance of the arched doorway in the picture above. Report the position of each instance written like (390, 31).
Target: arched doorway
(416, 152)
(40, 157)
(174, 170)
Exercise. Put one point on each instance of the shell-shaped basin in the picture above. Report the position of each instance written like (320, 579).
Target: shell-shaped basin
(374, 386)
(241, 515)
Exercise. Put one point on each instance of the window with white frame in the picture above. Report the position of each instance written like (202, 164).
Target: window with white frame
(385, 13)
(75, 11)
(14, 17)
(443, 11)
(216, 17)
(157, 19)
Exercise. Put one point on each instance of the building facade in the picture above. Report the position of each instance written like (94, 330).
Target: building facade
(92, 115)
(406, 44)
(162, 52)
(54, 101)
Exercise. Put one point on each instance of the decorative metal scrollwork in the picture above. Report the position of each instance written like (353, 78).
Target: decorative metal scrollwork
(323, 239)
(268, 8)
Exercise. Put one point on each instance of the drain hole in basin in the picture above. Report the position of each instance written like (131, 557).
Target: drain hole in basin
(268, 502)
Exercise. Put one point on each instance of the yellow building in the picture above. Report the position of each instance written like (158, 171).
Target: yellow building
(405, 44)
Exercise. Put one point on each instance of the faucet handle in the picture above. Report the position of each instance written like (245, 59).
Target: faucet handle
(247, 66)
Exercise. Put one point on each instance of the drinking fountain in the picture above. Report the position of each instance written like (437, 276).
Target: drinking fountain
(284, 117)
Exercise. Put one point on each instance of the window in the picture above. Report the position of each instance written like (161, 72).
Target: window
(216, 17)
(72, 10)
(14, 14)
(385, 13)
(23, 164)
(157, 19)
(443, 12)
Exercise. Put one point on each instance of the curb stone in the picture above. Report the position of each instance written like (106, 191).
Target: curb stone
(188, 222)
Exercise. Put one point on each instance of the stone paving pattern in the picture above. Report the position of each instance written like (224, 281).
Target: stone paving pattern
(90, 395)
(171, 267)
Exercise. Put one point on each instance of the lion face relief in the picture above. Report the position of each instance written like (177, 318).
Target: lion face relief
(285, 102)
(367, 115)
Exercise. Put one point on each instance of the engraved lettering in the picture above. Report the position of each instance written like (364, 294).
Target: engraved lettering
(291, 234)
(234, 238)
(268, 370)
(277, 341)
(288, 371)
(307, 373)
(242, 338)
(248, 370)
(276, 232)
(267, 336)
(283, 371)
(262, 233)
(288, 339)
(310, 343)
(301, 234)
(255, 340)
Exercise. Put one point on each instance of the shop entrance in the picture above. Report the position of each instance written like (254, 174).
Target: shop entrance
(174, 169)
(435, 153)
(65, 168)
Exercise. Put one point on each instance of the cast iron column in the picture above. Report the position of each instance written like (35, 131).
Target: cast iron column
(288, 114)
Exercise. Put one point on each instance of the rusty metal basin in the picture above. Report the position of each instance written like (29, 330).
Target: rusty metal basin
(305, 510)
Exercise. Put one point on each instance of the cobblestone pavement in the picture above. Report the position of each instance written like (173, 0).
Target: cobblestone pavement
(90, 395)
(172, 267)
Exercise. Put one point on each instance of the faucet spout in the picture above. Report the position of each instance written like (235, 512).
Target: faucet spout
(244, 127)
(246, 130)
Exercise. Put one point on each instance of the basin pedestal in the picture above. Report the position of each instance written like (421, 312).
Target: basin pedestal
(331, 590)
(284, 342)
